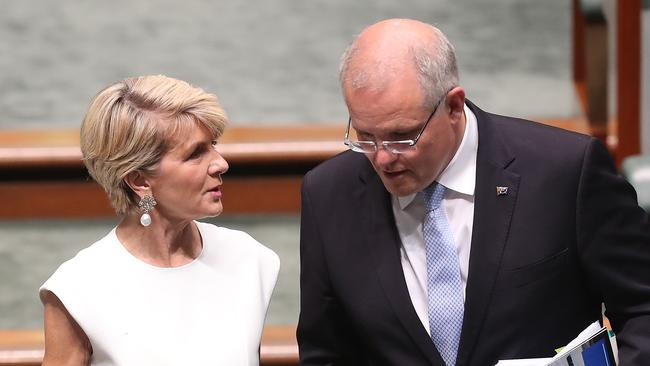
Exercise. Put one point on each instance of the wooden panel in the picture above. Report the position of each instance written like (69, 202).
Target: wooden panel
(262, 194)
(300, 132)
(265, 176)
(590, 65)
(35, 157)
(86, 199)
(234, 153)
(578, 44)
(628, 57)
(52, 200)
(596, 76)
(21, 347)
(250, 133)
(580, 125)
(239, 145)
(25, 347)
(40, 137)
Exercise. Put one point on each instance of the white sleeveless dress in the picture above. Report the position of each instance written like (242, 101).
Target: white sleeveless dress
(208, 312)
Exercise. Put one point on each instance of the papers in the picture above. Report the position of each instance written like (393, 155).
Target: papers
(585, 335)
(594, 334)
(525, 362)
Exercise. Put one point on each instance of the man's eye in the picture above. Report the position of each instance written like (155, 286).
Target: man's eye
(401, 136)
(214, 143)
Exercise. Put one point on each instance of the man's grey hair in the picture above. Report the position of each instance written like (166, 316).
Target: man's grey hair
(435, 63)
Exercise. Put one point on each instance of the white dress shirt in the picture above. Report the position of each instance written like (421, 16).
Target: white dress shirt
(459, 177)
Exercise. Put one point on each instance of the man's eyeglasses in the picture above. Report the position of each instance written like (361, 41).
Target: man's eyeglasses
(395, 147)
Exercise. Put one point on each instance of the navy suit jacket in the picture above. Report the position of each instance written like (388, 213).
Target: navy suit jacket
(567, 237)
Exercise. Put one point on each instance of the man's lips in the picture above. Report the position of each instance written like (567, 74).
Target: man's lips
(394, 173)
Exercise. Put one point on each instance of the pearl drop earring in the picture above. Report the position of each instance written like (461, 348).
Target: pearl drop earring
(146, 205)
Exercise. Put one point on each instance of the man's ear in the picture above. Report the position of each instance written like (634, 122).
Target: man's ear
(456, 102)
(138, 183)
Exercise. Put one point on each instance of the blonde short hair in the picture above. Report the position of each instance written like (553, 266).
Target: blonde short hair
(131, 124)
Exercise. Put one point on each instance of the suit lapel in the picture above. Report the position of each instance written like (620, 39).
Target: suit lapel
(384, 245)
(492, 216)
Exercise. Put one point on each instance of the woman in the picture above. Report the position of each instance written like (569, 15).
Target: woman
(160, 288)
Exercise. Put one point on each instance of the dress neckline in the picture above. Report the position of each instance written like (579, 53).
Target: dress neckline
(132, 258)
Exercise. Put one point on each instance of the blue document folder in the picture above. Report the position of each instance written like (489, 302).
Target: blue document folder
(595, 351)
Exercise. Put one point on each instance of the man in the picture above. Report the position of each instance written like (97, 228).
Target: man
(535, 233)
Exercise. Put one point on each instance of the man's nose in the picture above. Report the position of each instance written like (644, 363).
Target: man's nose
(383, 157)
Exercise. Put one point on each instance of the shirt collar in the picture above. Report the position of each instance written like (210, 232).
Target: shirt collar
(460, 173)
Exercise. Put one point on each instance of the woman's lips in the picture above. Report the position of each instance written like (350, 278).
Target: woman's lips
(215, 192)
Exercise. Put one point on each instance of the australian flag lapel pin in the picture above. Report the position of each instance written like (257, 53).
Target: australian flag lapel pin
(502, 191)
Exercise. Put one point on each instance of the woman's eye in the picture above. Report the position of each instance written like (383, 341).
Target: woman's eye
(195, 154)
(214, 143)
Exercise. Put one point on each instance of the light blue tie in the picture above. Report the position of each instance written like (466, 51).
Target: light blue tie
(444, 287)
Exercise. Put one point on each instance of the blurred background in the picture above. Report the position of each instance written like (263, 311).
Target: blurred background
(269, 61)
(272, 64)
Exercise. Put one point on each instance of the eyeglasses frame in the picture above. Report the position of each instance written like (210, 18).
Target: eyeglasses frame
(386, 144)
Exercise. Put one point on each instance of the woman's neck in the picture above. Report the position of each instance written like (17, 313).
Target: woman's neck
(163, 243)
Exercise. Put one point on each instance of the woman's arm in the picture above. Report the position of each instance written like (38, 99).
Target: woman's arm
(66, 344)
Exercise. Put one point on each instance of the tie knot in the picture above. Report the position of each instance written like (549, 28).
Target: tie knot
(433, 196)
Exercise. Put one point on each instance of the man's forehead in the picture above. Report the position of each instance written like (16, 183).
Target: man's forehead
(389, 99)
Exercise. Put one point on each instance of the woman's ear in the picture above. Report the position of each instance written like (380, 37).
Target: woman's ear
(138, 183)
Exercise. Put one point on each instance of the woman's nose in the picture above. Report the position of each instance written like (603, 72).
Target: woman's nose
(218, 165)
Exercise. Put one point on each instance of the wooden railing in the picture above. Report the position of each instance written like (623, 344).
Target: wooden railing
(628, 78)
(41, 173)
(25, 347)
(42, 176)
(591, 72)
(590, 63)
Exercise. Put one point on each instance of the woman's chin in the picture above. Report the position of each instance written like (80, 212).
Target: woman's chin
(215, 211)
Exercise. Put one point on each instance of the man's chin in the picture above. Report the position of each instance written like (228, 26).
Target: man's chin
(399, 186)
